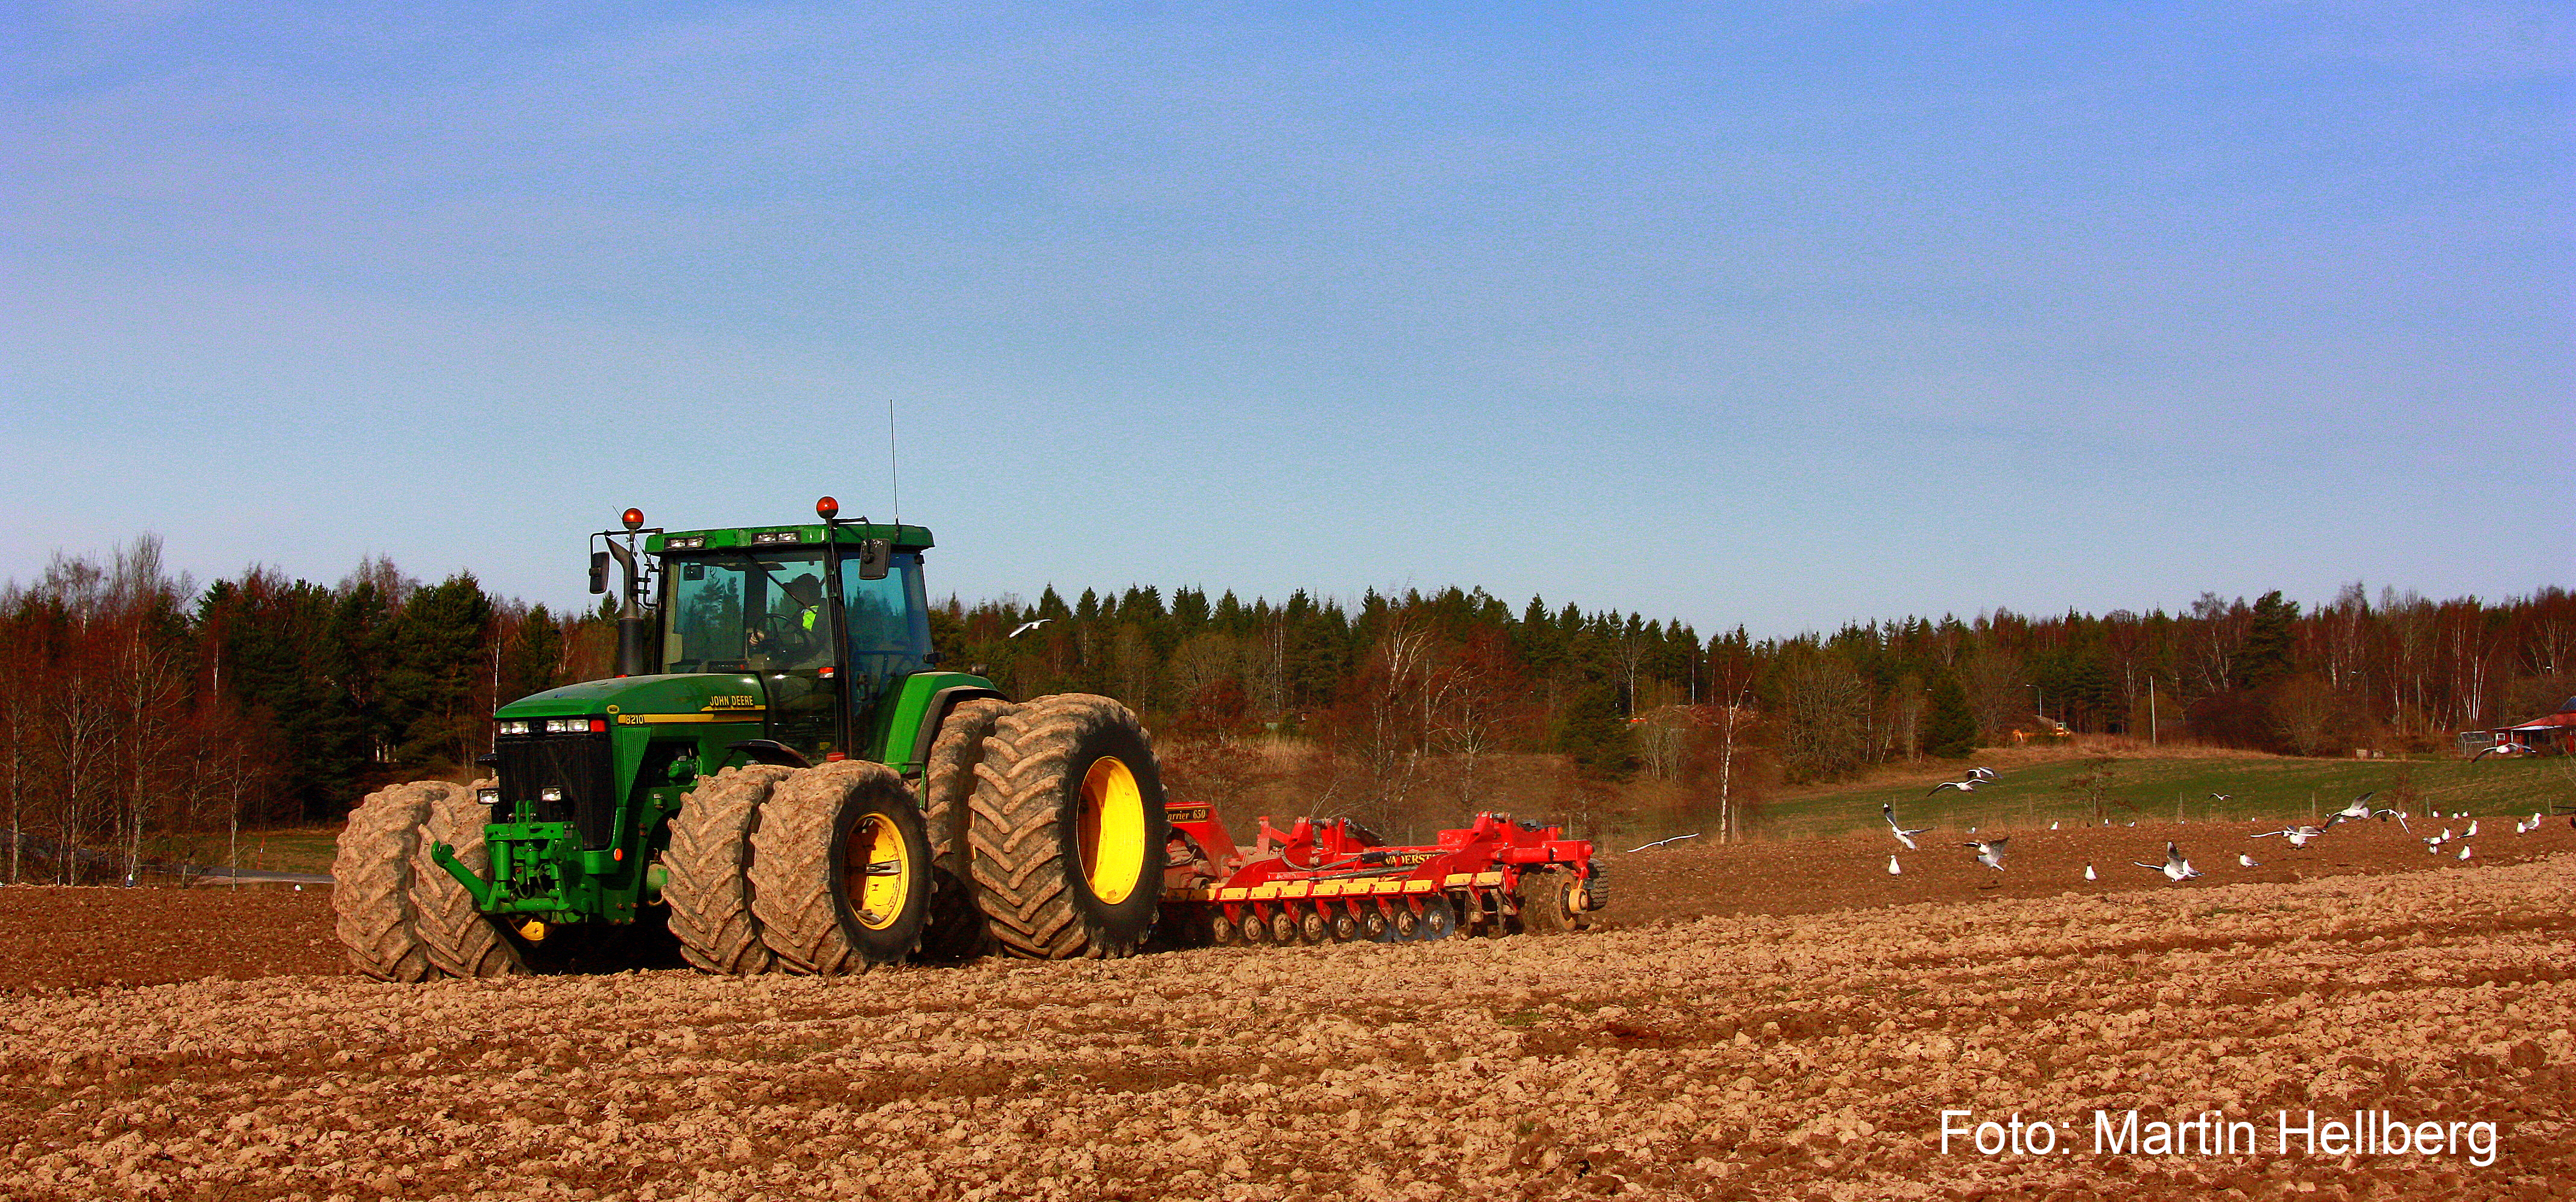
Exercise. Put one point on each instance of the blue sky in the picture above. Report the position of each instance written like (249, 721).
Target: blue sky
(1775, 315)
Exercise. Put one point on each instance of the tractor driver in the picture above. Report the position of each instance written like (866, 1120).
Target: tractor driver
(794, 634)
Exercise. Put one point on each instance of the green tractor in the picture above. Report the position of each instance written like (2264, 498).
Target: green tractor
(779, 777)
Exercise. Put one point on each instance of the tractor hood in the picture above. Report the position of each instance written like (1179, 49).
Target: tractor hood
(636, 700)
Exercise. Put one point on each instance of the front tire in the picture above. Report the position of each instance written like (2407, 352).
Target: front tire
(1068, 829)
(957, 930)
(840, 869)
(371, 882)
(460, 939)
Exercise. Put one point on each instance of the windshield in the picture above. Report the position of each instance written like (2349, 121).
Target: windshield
(747, 611)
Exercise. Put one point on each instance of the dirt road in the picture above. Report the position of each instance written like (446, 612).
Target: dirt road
(1771, 1055)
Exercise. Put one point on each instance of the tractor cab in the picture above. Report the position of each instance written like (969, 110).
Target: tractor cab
(830, 619)
(768, 612)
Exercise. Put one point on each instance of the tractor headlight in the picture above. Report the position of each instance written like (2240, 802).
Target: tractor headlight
(567, 726)
(550, 795)
(514, 728)
(489, 797)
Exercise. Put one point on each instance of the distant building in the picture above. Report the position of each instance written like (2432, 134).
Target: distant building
(2549, 734)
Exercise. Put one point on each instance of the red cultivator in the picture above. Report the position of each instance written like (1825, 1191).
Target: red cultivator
(1331, 880)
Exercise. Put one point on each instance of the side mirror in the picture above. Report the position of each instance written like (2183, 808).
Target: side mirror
(876, 556)
(599, 571)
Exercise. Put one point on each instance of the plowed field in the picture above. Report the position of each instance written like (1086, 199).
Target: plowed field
(1765, 1021)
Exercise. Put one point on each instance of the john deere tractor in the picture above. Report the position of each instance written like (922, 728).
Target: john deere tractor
(780, 775)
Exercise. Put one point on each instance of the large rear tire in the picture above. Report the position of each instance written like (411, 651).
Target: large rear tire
(1068, 829)
(840, 869)
(957, 929)
(371, 882)
(460, 939)
(709, 861)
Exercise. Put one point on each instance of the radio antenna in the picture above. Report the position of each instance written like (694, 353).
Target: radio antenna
(893, 477)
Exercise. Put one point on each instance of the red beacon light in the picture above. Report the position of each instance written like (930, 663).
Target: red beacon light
(827, 508)
(634, 519)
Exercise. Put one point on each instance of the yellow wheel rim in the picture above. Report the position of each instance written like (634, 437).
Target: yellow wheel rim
(878, 872)
(1112, 830)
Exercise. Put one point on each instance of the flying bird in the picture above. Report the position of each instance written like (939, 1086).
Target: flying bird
(2360, 808)
(1964, 786)
(1026, 627)
(1903, 835)
(1990, 852)
(2501, 749)
(2297, 835)
(2222, 796)
(1661, 842)
(2176, 868)
(1981, 773)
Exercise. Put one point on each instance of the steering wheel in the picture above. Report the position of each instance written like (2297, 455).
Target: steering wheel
(780, 636)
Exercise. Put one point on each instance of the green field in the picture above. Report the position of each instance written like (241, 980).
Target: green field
(2162, 789)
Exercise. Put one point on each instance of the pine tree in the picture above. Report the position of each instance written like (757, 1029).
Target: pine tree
(1950, 730)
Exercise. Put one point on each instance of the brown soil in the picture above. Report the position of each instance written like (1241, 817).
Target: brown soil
(1772, 1021)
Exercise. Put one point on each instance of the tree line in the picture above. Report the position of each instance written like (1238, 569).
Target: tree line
(135, 705)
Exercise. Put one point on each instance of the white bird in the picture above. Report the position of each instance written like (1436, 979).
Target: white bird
(1892, 868)
(2360, 808)
(2176, 868)
(2535, 820)
(2222, 796)
(1661, 842)
(2464, 851)
(1026, 627)
(1981, 773)
(2399, 815)
(2052, 826)
(2088, 873)
(2297, 835)
(1903, 835)
(2473, 830)
(1964, 786)
(2446, 835)
(2246, 861)
(1990, 852)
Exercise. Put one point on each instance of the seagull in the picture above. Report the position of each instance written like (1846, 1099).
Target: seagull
(1661, 842)
(2176, 868)
(2500, 749)
(2360, 807)
(2399, 815)
(2298, 835)
(2246, 861)
(1964, 786)
(2088, 873)
(1026, 627)
(2223, 796)
(1893, 869)
(1990, 852)
(2446, 835)
(2473, 829)
(1981, 773)
(2464, 851)
(1903, 835)
(2052, 826)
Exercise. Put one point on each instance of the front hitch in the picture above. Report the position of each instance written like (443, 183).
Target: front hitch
(445, 857)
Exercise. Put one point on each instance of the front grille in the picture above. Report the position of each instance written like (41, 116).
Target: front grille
(576, 764)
